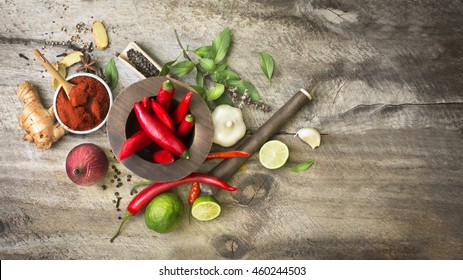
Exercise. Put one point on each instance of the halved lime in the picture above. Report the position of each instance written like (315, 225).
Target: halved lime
(205, 208)
(273, 154)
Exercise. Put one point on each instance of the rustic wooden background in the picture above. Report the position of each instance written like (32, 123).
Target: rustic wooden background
(387, 183)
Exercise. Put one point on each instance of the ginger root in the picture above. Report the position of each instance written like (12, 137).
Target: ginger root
(39, 123)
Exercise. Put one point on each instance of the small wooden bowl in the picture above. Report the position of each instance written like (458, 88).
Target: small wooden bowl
(121, 123)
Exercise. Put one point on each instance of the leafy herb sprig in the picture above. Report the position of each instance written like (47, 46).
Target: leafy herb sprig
(213, 76)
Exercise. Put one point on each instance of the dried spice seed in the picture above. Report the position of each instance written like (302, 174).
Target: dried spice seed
(118, 202)
(23, 56)
(245, 100)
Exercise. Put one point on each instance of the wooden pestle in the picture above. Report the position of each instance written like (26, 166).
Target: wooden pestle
(228, 167)
(65, 84)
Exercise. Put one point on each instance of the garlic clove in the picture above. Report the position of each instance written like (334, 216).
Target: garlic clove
(310, 135)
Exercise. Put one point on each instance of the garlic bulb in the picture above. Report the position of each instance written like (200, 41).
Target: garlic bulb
(310, 135)
(229, 126)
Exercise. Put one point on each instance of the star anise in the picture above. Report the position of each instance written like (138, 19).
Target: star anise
(87, 64)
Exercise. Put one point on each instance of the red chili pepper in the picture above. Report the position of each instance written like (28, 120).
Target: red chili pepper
(163, 157)
(147, 194)
(146, 102)
(195, 190)
(159, 133)
(186, 125)
(165, 94)
(162, 115)
(228, 154)
(133, 144)
(182, 109)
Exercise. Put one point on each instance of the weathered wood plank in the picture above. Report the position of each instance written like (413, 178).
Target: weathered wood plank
(387, 178)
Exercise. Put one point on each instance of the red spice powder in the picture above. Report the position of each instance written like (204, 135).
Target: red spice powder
(87, 106)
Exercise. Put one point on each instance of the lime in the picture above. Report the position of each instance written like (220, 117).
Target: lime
(205, 208)
(164, 212)
(273, 154)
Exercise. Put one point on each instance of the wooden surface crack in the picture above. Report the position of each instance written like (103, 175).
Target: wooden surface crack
(383, 105)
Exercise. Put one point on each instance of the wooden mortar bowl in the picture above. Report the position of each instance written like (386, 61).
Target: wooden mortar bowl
(121, 124)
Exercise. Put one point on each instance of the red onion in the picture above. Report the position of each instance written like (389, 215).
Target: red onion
(86, 164)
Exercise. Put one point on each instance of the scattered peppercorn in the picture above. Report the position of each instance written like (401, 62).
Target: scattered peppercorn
(142, 64)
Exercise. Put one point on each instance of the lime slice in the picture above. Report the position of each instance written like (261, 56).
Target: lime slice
(273, 154)
(205, 208)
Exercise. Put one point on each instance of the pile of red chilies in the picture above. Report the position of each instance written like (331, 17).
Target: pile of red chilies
(167, 130)
(158, 126)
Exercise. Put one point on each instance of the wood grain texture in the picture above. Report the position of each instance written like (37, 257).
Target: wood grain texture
(387, 179)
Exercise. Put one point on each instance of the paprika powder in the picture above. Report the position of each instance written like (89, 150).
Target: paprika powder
(87, 105)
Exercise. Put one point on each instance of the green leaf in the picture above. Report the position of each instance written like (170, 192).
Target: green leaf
(266, 65)
(221, 67)
(111, 74)
(302, 166)
(220, 45)
(182, 68)
(200, 90)
(207, 64)
(215, 92)
(199, 78)
(242, 86)
(224, 99)
(239, 84)
(165, 68)
(252, 91)
(225, 75)
(204, 52)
